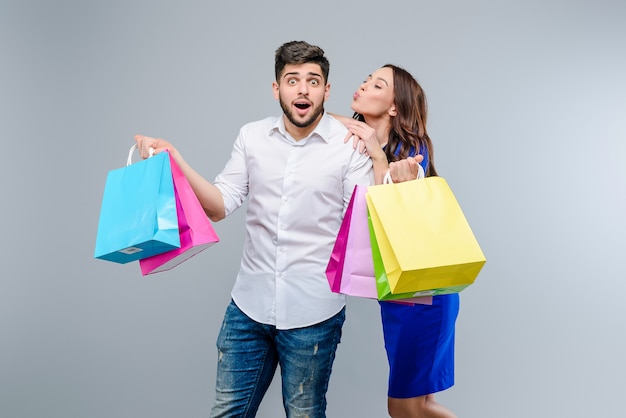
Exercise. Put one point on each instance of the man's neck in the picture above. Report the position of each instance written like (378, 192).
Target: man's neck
(298, 133)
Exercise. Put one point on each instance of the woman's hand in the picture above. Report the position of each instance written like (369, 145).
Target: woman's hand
(405, 170)
(364, 137)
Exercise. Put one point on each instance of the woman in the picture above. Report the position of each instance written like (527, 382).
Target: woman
(390, 125)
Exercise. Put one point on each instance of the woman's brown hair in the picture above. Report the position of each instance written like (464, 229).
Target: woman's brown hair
(408, 127)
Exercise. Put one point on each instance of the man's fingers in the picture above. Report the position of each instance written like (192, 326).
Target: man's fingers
(147, 146)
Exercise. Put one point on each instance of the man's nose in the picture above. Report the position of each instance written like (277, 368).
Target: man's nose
(303, 88)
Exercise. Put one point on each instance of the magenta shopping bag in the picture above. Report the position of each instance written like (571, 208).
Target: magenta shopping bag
(195, 228)
(334, 269)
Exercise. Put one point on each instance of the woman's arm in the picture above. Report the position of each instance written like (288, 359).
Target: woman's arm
(341, 118)
(366, 139)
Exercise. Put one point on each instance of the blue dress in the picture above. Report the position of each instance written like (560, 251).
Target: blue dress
(419, 340)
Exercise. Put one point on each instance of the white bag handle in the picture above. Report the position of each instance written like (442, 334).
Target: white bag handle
(420, 174)
(129, 161)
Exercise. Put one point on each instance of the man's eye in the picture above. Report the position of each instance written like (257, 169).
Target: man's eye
(315, 82)
(291, 81)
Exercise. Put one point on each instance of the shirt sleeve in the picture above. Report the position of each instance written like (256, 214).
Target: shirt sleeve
(233, 180)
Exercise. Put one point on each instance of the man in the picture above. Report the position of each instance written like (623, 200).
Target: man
(298, 176)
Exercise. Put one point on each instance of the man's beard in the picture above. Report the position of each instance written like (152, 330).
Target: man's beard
(308, 122)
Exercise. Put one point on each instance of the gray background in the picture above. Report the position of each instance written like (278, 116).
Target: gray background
(527, 109)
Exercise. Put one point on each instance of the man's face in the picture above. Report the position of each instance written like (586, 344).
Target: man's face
(301, 92)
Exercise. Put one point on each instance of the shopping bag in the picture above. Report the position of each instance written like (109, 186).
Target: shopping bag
(334, 269)
(424, 239)
(195, 229)
(138, 216)
(383, 289)
(350, 269)
(359, 277)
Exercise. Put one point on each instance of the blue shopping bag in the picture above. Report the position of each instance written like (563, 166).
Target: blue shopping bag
(138, 216)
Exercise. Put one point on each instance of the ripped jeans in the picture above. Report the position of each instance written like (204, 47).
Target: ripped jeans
(249, 352)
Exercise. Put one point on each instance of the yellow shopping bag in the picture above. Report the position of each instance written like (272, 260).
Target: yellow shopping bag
(424, 238)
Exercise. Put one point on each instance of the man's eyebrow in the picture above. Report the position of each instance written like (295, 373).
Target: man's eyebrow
(298, 74)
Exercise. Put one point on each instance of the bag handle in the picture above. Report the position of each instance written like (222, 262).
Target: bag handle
(129, 161)
(420, 174)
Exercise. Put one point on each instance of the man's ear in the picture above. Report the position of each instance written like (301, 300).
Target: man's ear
(326, 91)
(275, 89)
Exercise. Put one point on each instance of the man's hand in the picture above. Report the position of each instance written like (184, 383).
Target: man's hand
(144, 143)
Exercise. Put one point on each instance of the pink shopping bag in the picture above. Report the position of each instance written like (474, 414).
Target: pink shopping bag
(355, 277)
(195, 228)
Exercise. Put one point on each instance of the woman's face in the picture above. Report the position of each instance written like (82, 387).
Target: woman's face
(375, 98)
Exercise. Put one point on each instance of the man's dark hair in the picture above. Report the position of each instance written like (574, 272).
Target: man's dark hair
(300, 52)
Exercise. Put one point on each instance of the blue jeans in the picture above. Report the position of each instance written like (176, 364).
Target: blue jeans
(249, 352)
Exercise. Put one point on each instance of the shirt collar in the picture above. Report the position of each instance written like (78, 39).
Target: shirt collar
(322, 130)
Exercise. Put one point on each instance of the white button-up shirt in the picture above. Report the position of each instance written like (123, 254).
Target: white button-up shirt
(298, 192)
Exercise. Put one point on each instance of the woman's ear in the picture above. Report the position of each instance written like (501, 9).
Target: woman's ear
(392, 111)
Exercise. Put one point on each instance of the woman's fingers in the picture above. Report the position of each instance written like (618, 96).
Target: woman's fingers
(404, 170)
